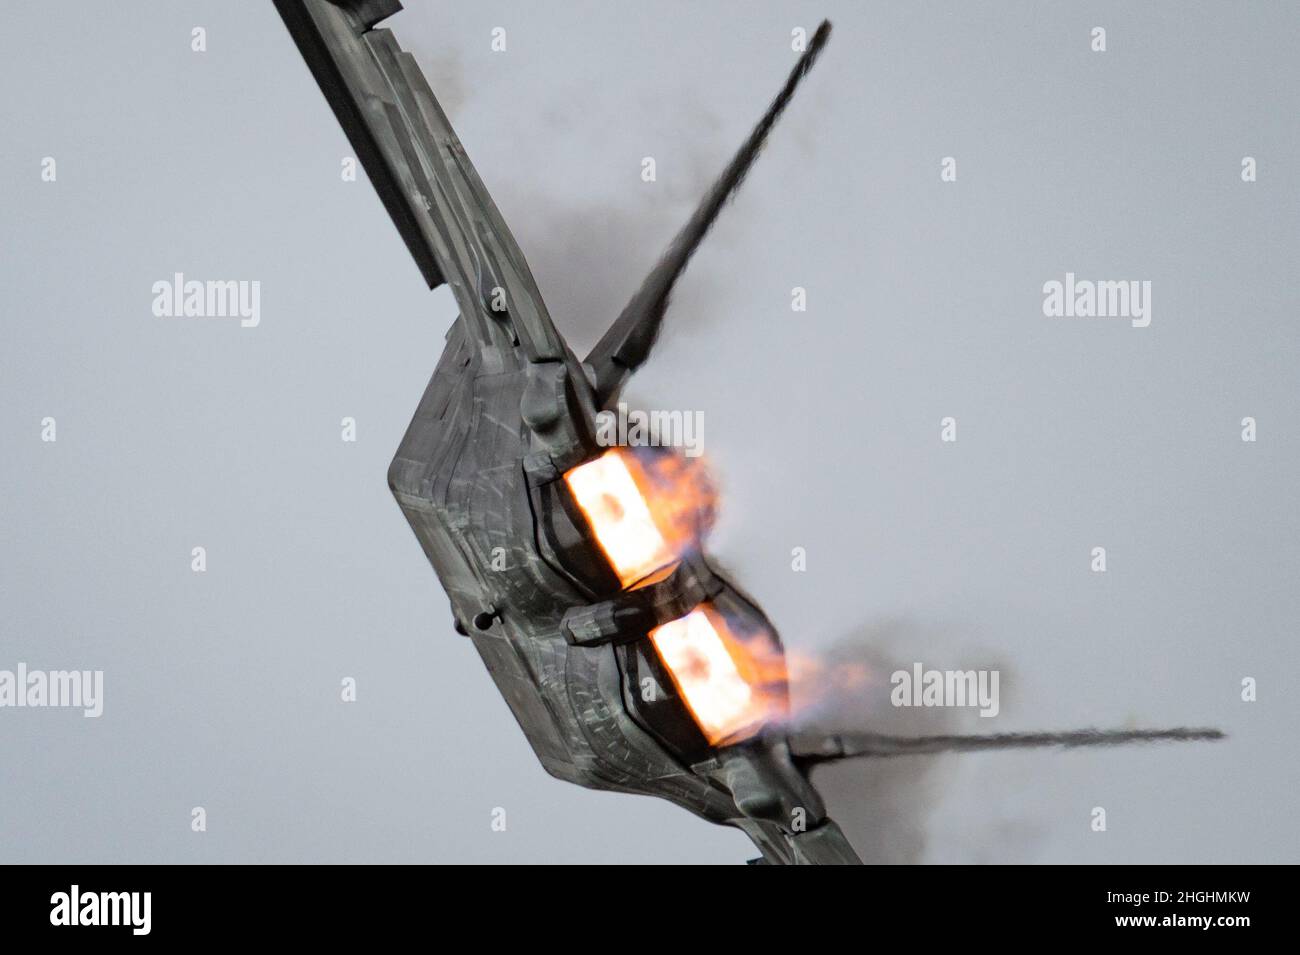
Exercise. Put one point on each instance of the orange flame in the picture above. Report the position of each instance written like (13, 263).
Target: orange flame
(732, 686)
(646, 511)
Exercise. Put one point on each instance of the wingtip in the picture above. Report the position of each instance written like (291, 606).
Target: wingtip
(821, 36)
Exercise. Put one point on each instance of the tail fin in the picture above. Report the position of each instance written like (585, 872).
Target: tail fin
(627, 343)
(825, 749)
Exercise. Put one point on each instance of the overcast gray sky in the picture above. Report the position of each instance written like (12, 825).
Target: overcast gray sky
(924, 301)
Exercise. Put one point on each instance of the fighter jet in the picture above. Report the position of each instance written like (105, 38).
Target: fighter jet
(576, 569)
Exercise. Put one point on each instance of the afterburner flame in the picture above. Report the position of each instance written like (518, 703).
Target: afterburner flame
(645, 513)
(732, 686)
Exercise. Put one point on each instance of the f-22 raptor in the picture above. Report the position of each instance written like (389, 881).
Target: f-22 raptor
(576, 569)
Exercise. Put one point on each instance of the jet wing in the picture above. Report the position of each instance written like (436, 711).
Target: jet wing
(418, 165)
(813, 747)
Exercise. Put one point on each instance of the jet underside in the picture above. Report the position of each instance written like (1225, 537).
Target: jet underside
(480, 477)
